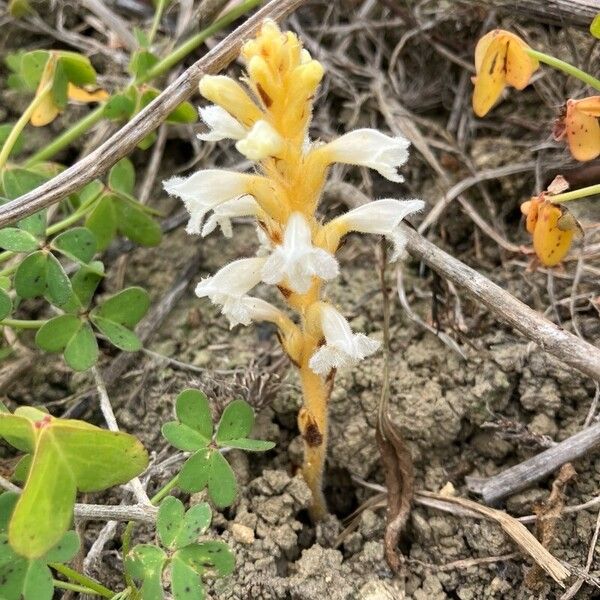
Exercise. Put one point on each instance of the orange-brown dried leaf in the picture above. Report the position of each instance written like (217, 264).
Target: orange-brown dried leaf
(47, 110)
(583, 130)
(552, 241)
(79, 94)
(501, 59)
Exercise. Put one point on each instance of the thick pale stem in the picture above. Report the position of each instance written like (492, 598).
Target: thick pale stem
(312, 421)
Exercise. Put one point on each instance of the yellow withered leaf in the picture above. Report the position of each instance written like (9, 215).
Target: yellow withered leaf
(47, 110)
(501, 59)
(80, 94)
(553, 234)
(530, 209)
(582, 128)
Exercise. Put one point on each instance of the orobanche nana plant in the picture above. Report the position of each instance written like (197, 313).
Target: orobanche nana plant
(269, 118)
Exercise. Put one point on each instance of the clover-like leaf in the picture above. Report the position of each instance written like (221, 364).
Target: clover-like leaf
(136, 224)
(195, 472)
(121, 177)
(68, 455)
(236, 422)
(250, 445)
(118, 314)
(102, 221)
(195, 522)
(193, 409)
(222, 486)
(169, 519)
(209, 555)
(183, 437)
(81, 351)
(120, 106)
(145, 563)
(127, 307)
(77, 243)
(185, 582)
(86, 280)
(207, 468)
(17, 240)
(58, 285)
(56, 333)
(5, 305)
(30, 278)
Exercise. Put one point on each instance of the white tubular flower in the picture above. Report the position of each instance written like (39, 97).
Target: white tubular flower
(370, 148)
(342, 347)
(205, 190)
(229, 287)
(382, 217)
(245, 206)
(296, 260)
(221, 125)
(261, 141)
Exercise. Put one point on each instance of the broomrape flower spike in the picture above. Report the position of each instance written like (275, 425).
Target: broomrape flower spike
(268, 118)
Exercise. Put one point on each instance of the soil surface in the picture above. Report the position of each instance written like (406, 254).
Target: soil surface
(473, 407)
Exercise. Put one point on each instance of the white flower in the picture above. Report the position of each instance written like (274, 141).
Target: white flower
(297, 260)
(245, 206)
(261, 141)
(382, 217)
(370, 148)
(205, 190)
(342, 347)
(229, 287)
(221, 125)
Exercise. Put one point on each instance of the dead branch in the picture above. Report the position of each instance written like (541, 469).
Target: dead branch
(146, 121)
(524, 474)
(565, 346)
(517, 531)
(558, 12)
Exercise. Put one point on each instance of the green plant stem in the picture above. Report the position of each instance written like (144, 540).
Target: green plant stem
(65, 585)
(21, 324)
(20, 125)
(72, 218)
(156, 21)
(71, 134)
(583, 192)
(83, 580)
(192, 43)
(164, 490)
(178, 54)
(565, 67)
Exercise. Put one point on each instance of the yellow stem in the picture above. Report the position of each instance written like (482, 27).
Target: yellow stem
(312, 422)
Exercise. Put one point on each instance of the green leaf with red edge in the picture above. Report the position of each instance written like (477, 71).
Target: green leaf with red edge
(68, 456)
